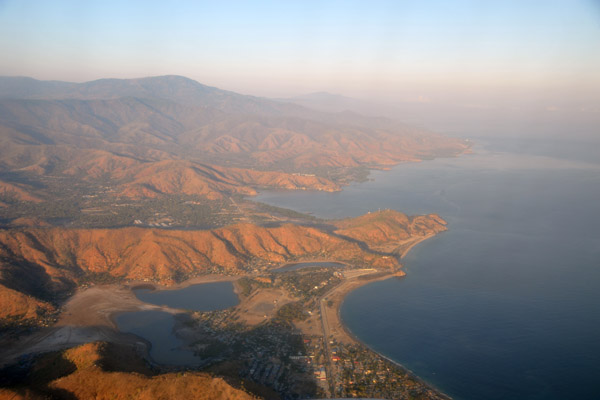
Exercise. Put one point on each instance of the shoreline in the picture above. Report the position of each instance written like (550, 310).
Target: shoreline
(337, 296)
(356, 340)
(89, 315)
(340, 292)
(356, 283)
(405, 250)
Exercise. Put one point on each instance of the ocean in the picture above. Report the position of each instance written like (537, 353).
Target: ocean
(505, 304)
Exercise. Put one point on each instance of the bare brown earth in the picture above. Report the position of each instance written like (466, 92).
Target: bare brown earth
(19, 305)
(210, 181)
(389, 231)
(88, 372)
(262, 305)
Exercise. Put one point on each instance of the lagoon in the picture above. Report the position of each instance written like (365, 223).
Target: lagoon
(157, 327)
(202, 297)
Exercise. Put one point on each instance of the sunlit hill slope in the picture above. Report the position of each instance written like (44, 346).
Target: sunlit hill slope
(38, 264)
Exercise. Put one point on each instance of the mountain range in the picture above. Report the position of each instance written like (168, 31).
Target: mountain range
(146, 180)
(124, 130)
(111, 145)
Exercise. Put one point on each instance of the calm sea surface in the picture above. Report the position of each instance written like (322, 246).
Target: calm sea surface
(157, 326)
(506, 304)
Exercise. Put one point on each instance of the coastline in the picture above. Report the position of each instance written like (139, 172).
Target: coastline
(89, 315)
(356, 340)
(404, 249)
(338, 295)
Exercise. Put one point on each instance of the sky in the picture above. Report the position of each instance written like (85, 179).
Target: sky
(475, 53)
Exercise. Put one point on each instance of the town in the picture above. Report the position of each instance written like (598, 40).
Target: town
(294, 351)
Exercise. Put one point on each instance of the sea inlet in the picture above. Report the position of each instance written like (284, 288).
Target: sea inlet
(505, 304)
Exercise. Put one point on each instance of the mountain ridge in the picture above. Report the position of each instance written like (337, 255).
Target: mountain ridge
(106, 133)
(55, 260)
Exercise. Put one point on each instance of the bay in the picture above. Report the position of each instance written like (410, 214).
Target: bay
(505, 303)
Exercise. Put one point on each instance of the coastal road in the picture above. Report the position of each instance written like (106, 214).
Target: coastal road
(325, 326)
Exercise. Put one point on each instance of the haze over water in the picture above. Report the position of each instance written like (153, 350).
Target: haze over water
(503, 305)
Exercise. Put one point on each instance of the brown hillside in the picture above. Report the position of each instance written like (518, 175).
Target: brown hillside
(170, 136)
(21, 307)
(17, 191)
(212, 182)
(99, 163)
(52, 260)
(389, 227)
(98, 134)
(86, 372)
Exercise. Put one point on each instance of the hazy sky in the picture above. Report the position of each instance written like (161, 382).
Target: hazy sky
(424, 51)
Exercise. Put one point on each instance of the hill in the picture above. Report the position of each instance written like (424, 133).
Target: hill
(17, 192)
(388, 227)
(109, 371)
(177, 117)
(39, 264)
(212, 182)
(154, 129)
